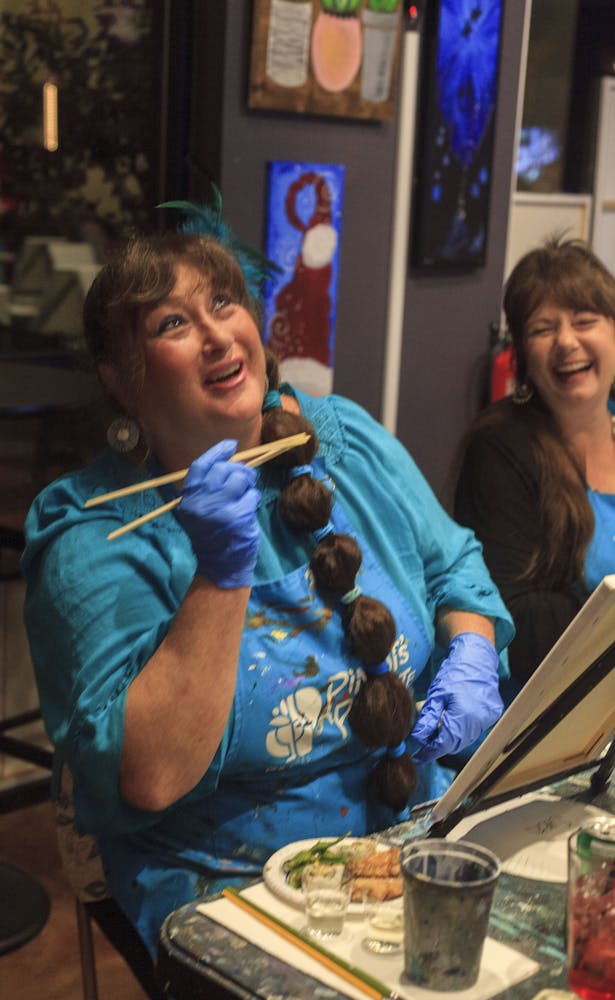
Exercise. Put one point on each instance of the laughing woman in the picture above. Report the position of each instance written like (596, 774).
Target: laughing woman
(238, 674)
(537, 483)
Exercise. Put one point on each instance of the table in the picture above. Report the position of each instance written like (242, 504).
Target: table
(198, 957)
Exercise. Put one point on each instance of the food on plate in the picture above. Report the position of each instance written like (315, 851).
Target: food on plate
(322, 852)
(377, 874)
(377, 864)
(377, 888)
(363, 864)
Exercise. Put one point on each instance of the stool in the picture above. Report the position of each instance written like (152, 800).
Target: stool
(31, 788)
(25, 907)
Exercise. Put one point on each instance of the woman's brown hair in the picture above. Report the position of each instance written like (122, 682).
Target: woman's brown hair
(565, 271)
(382, 710)
(568, 273)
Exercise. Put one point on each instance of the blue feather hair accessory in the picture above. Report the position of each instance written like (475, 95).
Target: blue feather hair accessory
(207, 221)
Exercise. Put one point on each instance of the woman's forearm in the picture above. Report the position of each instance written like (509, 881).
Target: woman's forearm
(178, 706)
(450, 622)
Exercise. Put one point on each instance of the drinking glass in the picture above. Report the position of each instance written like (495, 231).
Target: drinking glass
(591, 909)
(326, 899)
(385, 923)
(448, 891)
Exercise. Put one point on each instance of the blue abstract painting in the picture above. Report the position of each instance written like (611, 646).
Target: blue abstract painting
(304, 218)
(456, 142)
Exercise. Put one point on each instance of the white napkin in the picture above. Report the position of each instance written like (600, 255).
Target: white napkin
(501, 966)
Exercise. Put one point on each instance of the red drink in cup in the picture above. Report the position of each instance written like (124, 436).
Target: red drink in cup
(591, 910)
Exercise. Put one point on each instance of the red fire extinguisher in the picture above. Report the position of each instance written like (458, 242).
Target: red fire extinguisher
(502, 374)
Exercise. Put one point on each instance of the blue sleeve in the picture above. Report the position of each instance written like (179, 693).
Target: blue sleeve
(95, 612)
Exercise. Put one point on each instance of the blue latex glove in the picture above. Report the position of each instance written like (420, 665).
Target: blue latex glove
(218, 513)
(462, 700)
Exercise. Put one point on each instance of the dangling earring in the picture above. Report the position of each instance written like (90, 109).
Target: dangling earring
(523, 393)
(123, 434)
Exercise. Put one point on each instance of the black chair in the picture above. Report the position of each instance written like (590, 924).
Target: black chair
(27, 903)
(82, 866)
(29, 790)
(28, 914)
(121, 934)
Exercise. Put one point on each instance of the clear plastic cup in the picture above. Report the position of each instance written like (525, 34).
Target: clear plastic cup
(326, 898)
(384, 923)
(448, 891)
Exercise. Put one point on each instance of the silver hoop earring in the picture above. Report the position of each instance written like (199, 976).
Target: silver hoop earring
(522, 394)
(123, 434)
(266, 385)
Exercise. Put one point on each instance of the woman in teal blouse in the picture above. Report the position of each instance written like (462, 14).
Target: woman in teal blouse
(208, 678)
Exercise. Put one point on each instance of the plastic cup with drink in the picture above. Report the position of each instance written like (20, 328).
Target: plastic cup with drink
(591, 909)
(326, 897)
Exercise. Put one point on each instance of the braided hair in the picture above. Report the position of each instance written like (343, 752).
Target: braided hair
(383, 708)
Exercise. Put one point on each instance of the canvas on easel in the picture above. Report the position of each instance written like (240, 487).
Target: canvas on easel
(561, 722)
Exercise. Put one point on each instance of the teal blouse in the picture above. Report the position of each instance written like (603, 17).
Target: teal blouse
(96, 611)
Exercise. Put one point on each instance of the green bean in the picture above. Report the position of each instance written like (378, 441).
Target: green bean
(317, 852)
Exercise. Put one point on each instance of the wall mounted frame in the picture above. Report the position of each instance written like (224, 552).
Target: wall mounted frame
(458, 100)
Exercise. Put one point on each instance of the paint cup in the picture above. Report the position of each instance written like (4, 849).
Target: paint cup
(448, 891)
(591, 909)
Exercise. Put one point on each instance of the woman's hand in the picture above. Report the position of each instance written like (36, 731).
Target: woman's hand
(218, 513)
(463, 700)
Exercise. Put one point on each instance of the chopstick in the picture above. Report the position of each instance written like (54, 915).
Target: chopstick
(263, 452)
(356, 977)
(260, 455)
(131, 525)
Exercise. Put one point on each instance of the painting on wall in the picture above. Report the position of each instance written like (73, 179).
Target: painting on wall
(456, 133)
(326, 57)
(304, 218)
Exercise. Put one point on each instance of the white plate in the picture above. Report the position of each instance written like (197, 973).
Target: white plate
(274, 875)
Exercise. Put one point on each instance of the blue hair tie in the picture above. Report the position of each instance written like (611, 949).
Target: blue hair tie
(351, 595)
(321, 533)
(272, 400)
(377, 669)
(397, 751)
(300, 470)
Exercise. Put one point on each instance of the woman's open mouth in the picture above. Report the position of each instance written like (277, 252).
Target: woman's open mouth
(569, 371)
(226, 376)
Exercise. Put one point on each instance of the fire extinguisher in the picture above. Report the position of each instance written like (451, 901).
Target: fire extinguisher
(502, 367)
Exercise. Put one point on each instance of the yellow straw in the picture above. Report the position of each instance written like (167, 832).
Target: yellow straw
(356, 977)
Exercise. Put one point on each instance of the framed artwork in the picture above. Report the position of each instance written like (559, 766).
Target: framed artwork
(456, 132)
(304, 217)
(325, 57)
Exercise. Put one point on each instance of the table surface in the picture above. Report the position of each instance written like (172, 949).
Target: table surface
(39, 387)
(527, 915)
